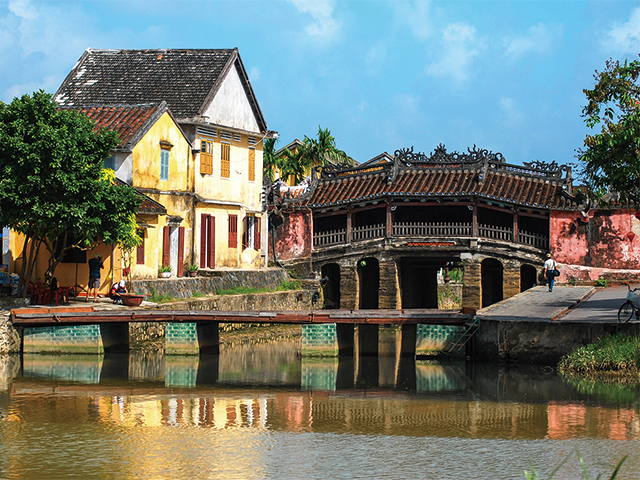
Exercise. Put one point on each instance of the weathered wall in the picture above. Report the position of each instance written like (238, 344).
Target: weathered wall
(602, 240)
(539, 342)
(186, 286)
(293, 237)
(287, 300)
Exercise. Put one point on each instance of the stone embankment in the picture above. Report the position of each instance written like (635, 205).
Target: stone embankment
(9, 336)
(183, 289)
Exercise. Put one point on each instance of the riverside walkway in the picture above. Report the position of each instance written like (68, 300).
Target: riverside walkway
(564, 304)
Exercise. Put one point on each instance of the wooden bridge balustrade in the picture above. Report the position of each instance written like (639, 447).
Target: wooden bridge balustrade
(430, 229)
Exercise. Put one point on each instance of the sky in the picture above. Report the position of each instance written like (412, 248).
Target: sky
(381, 75)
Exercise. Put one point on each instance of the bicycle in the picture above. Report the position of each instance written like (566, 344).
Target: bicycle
(631, 306)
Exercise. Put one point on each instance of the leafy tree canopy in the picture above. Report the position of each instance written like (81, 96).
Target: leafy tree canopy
(612, 156)
(296, 165)
(52, 183)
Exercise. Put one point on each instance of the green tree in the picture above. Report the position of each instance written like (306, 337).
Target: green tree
(53, 188)
(612, 156)
(323, 150)
(294, 165)
(270, 161)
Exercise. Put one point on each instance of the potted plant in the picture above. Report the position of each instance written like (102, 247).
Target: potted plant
(165, 271)
(191, 269)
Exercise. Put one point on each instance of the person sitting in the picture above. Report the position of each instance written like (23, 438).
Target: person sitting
(116, 290)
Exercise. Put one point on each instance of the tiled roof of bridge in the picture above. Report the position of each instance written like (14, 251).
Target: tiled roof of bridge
(130, 121)
(187, 79)
(497, 182)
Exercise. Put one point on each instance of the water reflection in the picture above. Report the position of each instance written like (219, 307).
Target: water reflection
(248, 396)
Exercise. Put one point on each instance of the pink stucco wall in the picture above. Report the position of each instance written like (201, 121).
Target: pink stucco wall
(602, 239)
(293, 237)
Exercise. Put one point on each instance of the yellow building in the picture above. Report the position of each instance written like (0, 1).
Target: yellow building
(213, 133)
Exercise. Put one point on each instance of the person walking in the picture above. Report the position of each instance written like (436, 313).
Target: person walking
(550, 271)
(95, 265)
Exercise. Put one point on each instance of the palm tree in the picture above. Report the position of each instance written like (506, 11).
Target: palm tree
(324, 150)
(270, 162)
(294, 165)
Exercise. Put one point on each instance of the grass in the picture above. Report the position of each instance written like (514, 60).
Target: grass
(240, 290)
(613, 355)
(160, 298)
(198, 294)
(601, 283)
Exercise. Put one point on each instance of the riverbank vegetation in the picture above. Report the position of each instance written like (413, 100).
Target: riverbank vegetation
(611, 357)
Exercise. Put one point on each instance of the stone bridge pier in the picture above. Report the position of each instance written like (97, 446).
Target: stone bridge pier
(381, 279)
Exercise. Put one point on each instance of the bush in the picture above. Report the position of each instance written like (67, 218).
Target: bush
(613, 354)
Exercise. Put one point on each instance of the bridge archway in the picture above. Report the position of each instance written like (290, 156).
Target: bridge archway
(331, 289)
(491, 273)
(419, 283)
(369, 283)
(528, 275)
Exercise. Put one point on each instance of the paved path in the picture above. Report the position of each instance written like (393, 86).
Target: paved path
(564, 304)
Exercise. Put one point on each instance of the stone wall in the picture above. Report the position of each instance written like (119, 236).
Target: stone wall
(224, 279)
(9, 335)
(539, 342)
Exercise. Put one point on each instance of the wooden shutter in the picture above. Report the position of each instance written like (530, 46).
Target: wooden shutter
(166, 246)
(256, 233)
(206, 157)
(140, 249)
(212, 242)
(203, 240)
(233, 231)
(180, 251)
(225, 160)
(252, 164)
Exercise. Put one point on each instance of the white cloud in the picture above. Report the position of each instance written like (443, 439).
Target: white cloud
(23, 9)
(625, 37)
(416, 15)
(375, 57)
(408, 106)
(539, 38)
(254, 73)
(511, 110)
(460, 47)
(324, 27)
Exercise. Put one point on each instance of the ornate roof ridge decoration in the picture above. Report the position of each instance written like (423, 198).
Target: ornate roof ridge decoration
(440, 155)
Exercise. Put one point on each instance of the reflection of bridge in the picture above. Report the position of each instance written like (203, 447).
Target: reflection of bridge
(484, 402)
(327, 332)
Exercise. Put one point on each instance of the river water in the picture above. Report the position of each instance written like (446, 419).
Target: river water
(259, 411)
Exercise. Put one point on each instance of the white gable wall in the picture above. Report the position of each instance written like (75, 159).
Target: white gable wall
(230, 107)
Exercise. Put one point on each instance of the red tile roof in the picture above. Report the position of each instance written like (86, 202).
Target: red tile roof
(130, 121)
(484, 177)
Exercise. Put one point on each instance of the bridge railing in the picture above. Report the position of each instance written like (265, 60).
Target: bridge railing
(366, 232)
(429, 229)
(330, 237)
(436, 229)
(496, 232)
(533, 239)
